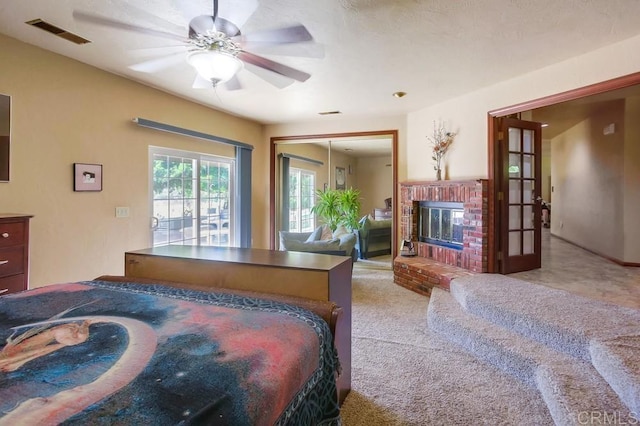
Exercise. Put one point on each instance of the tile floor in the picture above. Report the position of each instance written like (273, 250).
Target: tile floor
(573, 269)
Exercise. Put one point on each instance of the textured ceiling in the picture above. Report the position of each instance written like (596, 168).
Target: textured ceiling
(431, 49)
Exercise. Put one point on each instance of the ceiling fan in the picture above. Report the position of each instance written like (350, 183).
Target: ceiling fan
(218, 50)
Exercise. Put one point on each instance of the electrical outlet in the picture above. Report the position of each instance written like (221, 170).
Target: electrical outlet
(122, 211)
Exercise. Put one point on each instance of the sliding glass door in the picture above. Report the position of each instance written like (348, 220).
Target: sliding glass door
(192, 198)
(302, 185)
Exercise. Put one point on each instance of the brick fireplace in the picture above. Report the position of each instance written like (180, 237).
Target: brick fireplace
(436, 265)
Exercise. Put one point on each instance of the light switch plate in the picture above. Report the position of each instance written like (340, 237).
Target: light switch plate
(122, 211)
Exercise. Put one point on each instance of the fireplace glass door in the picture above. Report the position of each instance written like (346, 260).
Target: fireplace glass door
(441, 224)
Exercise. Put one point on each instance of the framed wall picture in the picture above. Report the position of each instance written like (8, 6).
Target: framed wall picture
(341, 178)
(87, 177)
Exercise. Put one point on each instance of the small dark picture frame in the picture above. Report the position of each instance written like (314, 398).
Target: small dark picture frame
(87, 177)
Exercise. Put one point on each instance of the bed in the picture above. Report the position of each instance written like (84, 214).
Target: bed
(374, 237)
(119, 350)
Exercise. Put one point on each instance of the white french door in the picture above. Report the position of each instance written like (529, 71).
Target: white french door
(192, 199)
(519, 181)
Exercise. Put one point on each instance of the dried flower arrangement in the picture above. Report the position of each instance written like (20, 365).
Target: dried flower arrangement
(441, 141)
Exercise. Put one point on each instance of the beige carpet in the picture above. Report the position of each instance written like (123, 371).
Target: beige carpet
(403, 374)
(378, 262)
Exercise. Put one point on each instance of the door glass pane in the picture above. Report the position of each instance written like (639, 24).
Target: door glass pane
(527, 217)
(514, 217)
(514, 243)
(514, 165)
(514, 191)
(527, 242)
(527, 191)
(527, 167)
(515, 144)
(527, 143)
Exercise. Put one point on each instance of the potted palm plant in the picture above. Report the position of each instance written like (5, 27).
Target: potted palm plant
(349, 201)
(338, 207)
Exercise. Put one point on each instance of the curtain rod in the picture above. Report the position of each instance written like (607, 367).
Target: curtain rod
(186, 132)
(298, 157)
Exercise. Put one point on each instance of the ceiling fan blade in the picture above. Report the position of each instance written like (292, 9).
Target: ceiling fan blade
(273, 66)
(293, 34)
(200, 25)
(159, 64)
(112, 23)
(233, 84)
(299, 50)
(237, 12)
(278, 80)
(155, 51)
(205, 24)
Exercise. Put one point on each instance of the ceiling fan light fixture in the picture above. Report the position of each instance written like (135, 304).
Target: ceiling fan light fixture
(214, 65)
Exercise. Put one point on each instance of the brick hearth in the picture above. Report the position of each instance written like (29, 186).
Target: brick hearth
(433, 265)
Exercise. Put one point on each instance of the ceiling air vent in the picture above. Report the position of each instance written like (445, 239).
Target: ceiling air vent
(329, 112)
(57, 31)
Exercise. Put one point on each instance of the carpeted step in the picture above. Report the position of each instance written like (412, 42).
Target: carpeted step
(577, 395)
(572, 324)
(617, 359)
(559, 319)
(568, 385)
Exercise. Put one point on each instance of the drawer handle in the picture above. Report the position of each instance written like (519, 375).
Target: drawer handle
(5, 235)
(2, 262)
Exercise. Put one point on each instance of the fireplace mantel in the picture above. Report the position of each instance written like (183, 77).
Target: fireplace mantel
(473, 194)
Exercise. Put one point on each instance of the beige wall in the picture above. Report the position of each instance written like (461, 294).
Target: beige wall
(632, 181)
(66, 112)
(588, 176)
(378, 183)
(468, 114)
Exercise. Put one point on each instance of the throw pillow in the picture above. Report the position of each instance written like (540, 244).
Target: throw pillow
(340, 231)
(326, 233)
(315, 235)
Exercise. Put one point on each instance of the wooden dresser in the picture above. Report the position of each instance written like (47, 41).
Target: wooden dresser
(14, 253)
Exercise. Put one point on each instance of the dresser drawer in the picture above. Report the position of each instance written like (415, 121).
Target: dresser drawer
(12, 284)
(11, 261)
(11, 234)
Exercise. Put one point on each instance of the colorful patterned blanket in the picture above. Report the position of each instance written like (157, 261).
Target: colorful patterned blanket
(97, 352)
